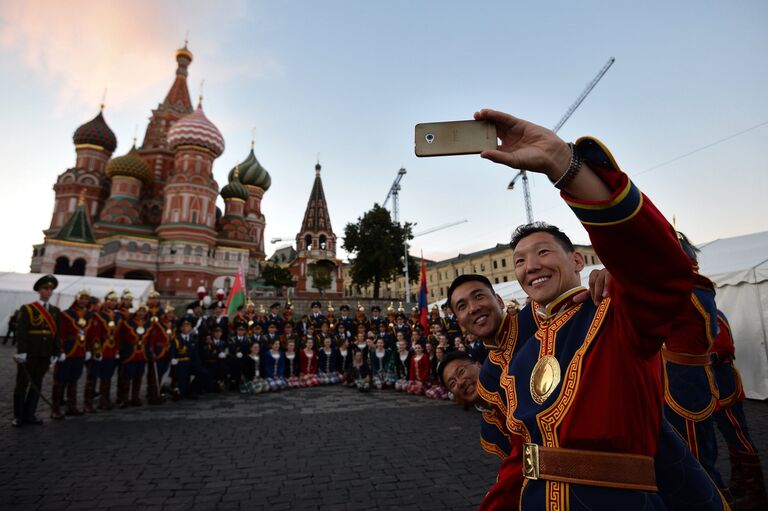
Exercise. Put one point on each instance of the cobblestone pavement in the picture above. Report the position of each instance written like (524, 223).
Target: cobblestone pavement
(321, 448)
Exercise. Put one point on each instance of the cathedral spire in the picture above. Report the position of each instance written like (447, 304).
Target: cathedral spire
(316, 217)
(178, 96)
(78, 228)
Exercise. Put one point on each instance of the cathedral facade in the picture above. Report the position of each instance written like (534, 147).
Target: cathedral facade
(151, 213)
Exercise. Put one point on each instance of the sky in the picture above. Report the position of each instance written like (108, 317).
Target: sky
(683, 109)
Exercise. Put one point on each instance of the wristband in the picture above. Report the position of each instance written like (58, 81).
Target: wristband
(571, 171)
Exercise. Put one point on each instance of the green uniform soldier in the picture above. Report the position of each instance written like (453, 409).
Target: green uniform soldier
(37, 330)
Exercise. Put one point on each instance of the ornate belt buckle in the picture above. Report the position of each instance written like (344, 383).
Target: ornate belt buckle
(531, 461)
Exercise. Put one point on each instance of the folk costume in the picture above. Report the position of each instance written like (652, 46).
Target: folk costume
(344, 357)
(308, 367)
(747, 485)
(274, 369)
(326, 364)
(690, 390)
(419, 374)
(585, 390)
(402, 364)
(381, 368)
(291, 369)
(253, 381)
(37, 335)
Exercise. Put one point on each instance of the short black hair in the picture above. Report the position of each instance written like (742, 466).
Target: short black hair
(461, 279)
(689, 248)
(525, 230)
(448, 358)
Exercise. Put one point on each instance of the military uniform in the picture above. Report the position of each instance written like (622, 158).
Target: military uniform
(105, 354)
(37, 331)
(77, 334)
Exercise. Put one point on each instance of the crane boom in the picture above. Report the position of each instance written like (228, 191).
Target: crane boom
(394, 192)
(583, 95)
(563, 120)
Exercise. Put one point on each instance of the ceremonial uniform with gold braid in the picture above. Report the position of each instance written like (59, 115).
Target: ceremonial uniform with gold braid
(77, 334)
(106, 322)
(585, 392)
(37, 335)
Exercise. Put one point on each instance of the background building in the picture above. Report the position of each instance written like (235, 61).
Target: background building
(151, 213)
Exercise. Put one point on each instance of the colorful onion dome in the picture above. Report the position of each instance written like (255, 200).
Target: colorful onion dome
(235, 189)
(96, 132)
(196, 129)
(252, 173)
(131, 165)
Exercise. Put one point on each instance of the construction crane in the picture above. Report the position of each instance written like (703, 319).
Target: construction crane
(522, 173)
(394, 193)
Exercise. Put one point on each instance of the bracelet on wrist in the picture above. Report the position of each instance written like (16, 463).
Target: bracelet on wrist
(573, 168)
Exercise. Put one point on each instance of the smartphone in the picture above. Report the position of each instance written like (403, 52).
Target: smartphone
(454, 137)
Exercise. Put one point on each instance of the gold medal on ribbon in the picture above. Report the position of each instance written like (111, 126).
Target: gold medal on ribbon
(154, 319)
(111, 324)
(168, 331)
(81, 322)
(140, 330)
(544, 378)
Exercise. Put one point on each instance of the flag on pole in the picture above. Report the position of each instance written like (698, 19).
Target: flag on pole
(423, 304)
(236, 294)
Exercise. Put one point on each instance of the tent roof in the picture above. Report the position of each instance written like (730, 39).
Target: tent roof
(730, 261)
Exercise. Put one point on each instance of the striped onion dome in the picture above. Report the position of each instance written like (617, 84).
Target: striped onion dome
(196, 129)
(96, 132)
(252, 172)
(235, 189)
(131, 165)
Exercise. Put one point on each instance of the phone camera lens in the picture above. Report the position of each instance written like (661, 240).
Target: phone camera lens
(429, 138)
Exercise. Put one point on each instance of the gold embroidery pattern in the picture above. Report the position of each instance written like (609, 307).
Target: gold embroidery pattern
(549, 419)
(492, 448)
(513, 425)
(557, 496)
(492, 398)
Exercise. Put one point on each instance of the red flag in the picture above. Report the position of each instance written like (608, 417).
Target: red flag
(236, 297)
(423, 312)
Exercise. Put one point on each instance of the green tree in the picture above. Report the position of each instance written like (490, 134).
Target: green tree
(276, 276)
(321, 275)
(375, 244)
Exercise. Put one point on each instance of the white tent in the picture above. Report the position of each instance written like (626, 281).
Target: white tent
(739, 268)
(16, 290)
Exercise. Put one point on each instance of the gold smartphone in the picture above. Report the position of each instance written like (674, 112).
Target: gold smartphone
(454, 137)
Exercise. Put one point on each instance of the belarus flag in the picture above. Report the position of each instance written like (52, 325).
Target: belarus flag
(236, 294)
(423, 312)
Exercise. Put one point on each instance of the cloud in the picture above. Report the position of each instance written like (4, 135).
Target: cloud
(80, 48)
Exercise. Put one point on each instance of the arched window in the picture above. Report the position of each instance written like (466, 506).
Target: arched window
(62, 266)
(187, 250)
(78, 267)
(308, 241)
(132, 246)
(323, 240)
(145, 248)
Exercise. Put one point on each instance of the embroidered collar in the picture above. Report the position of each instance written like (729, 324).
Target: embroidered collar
(559, 304)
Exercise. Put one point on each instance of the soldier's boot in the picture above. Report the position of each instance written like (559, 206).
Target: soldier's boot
(104, 389)
(88, 392)
(755, 497)
(122, 392)
(72, 400)
(135, 391)
(57, 395)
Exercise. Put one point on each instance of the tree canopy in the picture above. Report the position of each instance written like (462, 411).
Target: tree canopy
(375, 244)
(276, 276)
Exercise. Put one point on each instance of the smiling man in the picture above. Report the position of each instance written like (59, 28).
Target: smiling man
(581, 398)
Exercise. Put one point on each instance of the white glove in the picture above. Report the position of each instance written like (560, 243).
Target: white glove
(53, 360)
(222, 355)
(117, 356)
(87, 356)
(174, 361)
(239, 355)
(20, 357)
(62, 357)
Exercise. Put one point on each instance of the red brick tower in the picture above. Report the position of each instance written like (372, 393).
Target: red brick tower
(316, 249)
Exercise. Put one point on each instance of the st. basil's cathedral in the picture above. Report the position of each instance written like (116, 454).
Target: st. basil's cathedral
(151, 213)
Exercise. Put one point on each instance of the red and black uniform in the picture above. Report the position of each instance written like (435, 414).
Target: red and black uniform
(77, 336)
(747, 482)
(690, 391)
(133, 339)
(105, 354)
(607, 397)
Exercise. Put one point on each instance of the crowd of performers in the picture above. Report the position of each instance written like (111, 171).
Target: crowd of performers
(254, 351)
